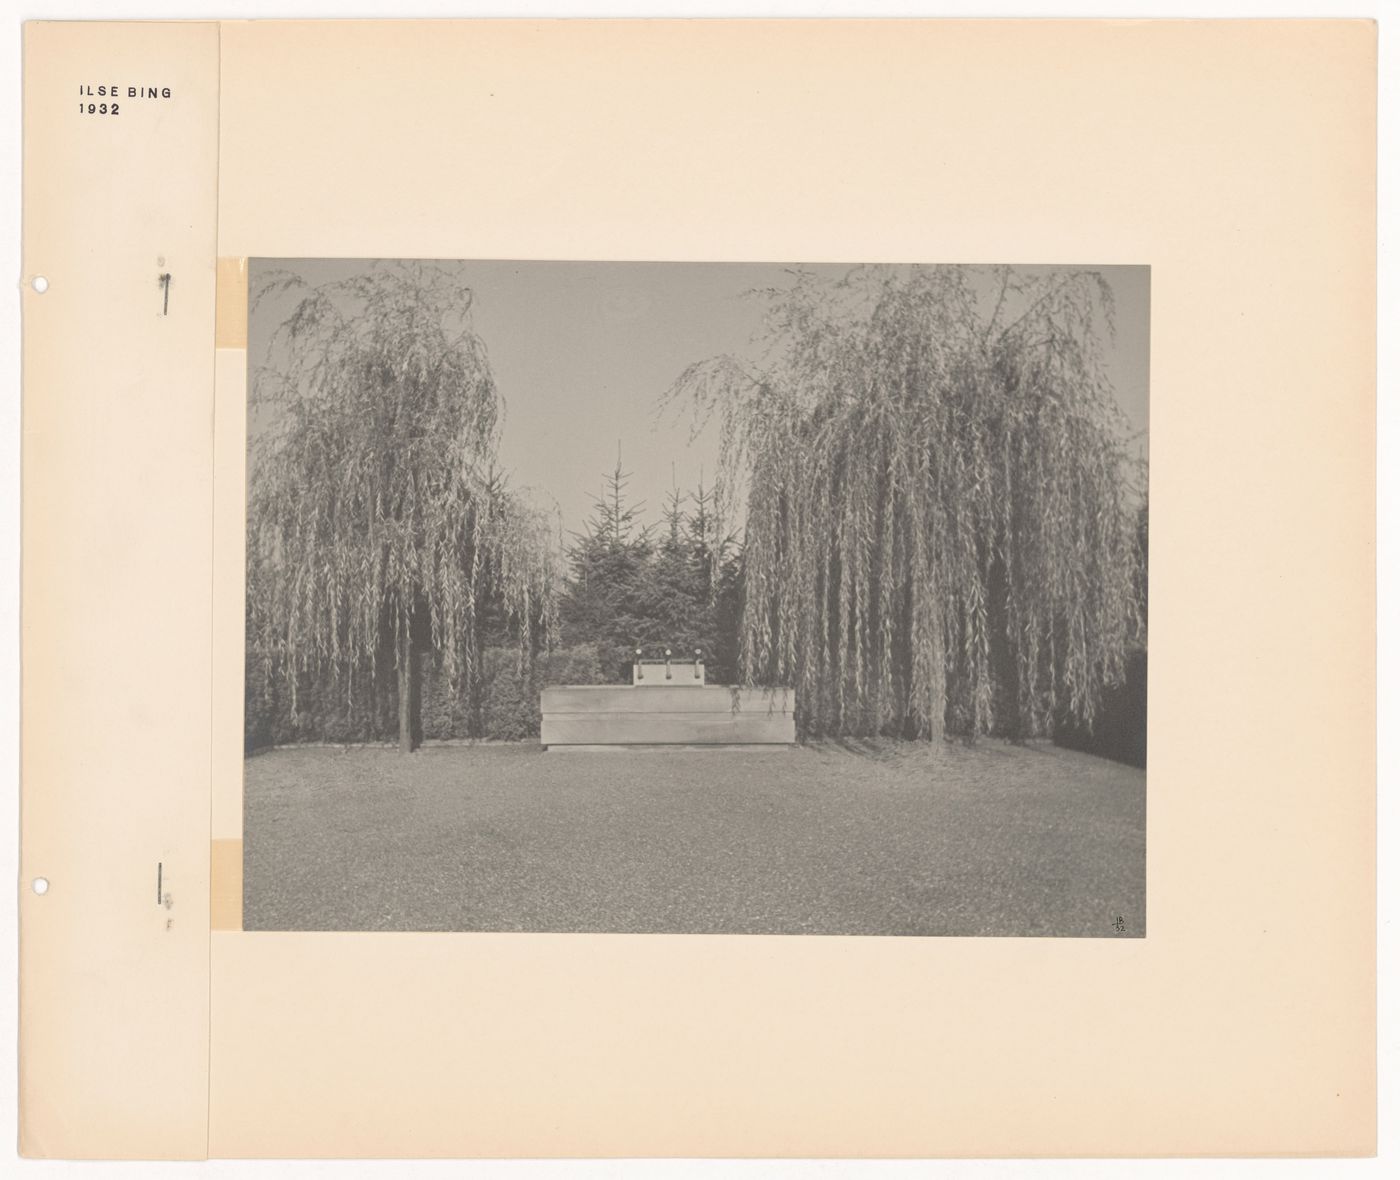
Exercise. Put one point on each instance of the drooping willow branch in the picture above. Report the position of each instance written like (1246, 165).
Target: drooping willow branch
(940, 510)
(376, 523)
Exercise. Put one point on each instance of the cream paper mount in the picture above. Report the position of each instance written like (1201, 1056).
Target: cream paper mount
(1237, 159)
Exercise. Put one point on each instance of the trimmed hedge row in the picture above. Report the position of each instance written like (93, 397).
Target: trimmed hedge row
(506, 706)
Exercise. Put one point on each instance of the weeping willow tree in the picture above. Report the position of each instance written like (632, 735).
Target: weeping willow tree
(377, 528)
(940, 505)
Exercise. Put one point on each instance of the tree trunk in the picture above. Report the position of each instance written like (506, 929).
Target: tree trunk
(406, 662)
(938, 678)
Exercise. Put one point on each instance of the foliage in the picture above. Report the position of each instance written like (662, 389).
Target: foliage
(633, 586)
(511, 701)
(690, 589)
(376, 526)
(602, 602)
(943, 533)
(940, 531)
(507, 706)
(1120, 729)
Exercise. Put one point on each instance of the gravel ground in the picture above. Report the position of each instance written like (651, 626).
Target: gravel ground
(849, 838)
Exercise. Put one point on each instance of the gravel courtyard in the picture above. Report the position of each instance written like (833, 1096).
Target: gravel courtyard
(834, 838)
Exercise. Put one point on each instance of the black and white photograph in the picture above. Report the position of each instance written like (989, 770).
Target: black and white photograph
(696, 598)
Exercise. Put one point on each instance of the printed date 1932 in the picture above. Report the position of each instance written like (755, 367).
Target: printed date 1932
(102, 100)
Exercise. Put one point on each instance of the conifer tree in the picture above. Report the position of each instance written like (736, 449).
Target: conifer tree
(603, 601)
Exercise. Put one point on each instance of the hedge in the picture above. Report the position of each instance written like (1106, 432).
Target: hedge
(506, 706)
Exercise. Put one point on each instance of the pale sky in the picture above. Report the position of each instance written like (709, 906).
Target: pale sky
(582, 351)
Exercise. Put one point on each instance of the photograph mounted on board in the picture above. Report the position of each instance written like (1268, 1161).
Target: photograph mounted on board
(723, 598)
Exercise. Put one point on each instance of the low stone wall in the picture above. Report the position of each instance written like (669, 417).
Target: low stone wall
(667, 715)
